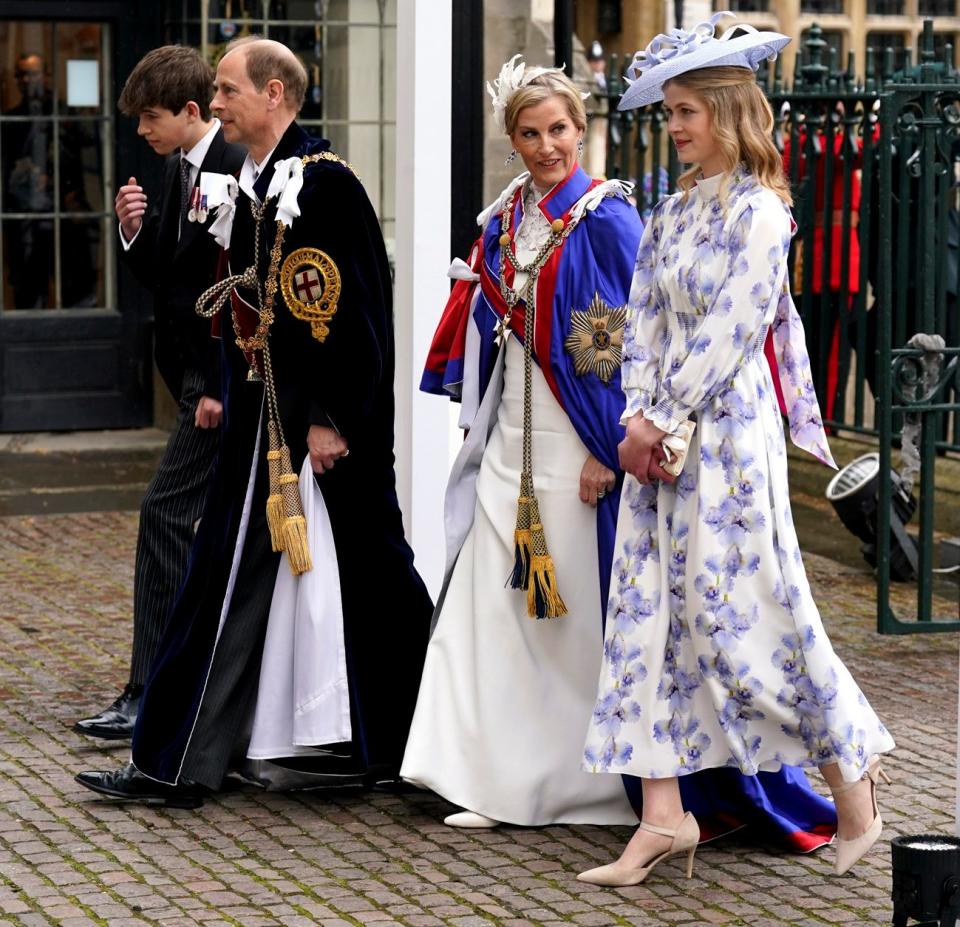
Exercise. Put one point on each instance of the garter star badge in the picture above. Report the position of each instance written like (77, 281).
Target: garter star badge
(596, 338)
(310, 282)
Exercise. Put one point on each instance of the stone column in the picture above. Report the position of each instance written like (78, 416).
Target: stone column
(423, 430)
(789, 13)
(858, 33)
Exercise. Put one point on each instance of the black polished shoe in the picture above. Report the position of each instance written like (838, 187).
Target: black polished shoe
(129, 784)
(117, 721)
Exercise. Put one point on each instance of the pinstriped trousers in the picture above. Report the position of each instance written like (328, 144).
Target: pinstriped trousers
(173, 502)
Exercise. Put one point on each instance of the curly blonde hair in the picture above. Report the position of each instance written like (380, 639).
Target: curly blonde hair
(742, 123)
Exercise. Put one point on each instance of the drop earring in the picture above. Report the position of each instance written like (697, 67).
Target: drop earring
(510, 157)
(580, 147)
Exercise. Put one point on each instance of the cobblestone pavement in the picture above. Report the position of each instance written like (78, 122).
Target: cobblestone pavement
(250, 858)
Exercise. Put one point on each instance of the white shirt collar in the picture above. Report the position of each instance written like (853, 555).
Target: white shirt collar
(199, 151)
(250, 173)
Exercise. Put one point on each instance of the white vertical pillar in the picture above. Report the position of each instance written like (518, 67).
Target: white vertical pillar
(424, 41)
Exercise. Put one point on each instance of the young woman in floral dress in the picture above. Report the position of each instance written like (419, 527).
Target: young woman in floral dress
(715, 654)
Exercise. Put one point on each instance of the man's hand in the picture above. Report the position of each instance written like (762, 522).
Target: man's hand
(209, 412)
(326, 447)
(596, 480)
(130, 207)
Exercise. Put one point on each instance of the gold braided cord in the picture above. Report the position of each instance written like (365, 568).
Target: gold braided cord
(533, 567)
(285, 518)
(330, 156)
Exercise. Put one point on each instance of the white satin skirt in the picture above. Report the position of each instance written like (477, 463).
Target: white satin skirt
(505, 699)
(303, 697)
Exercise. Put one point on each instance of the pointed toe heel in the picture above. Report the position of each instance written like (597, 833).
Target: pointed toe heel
(685, 839)
(849, 852)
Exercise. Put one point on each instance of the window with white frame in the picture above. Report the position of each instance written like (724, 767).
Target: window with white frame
(349, 50)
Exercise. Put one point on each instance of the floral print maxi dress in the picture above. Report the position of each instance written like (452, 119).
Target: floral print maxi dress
(714, 651)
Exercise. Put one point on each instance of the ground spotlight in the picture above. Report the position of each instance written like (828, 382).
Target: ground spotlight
(926, 880)
(853, 492)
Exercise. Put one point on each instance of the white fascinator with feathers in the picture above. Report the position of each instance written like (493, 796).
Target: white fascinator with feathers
(512, 77)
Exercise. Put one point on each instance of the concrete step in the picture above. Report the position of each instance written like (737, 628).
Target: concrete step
(81, 471)
(810, 477)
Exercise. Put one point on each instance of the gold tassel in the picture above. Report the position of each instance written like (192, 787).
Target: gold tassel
(543, 597)
(294, 522)
(296, 545)
(275, 499)
(523, 548)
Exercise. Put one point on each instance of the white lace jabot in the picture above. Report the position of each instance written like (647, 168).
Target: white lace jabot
(534, 229)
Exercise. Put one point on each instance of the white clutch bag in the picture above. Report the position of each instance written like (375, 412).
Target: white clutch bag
(675, 448)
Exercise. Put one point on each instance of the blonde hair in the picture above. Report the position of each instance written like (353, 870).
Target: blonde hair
(542, 88)
(742, 123)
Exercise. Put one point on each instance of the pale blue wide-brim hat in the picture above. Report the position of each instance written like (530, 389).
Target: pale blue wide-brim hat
(679, 51)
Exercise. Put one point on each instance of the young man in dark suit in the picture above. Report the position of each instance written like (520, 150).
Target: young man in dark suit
(165, 243)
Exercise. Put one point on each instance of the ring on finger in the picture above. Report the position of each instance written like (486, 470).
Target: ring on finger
(601, 493)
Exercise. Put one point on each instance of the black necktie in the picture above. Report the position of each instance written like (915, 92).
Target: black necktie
(184, 191)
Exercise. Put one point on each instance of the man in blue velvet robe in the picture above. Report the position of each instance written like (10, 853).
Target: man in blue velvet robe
(334, 400)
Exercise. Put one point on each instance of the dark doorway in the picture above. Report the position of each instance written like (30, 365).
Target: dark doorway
(74, 334)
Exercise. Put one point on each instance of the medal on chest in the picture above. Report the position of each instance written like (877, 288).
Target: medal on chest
(595, 342)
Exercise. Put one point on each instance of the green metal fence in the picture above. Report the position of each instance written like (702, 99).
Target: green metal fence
(874, 164)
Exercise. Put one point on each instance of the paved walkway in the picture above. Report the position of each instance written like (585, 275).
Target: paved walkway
(249, 858)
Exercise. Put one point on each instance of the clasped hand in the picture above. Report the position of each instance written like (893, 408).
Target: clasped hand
(641, 452)
(326, 447)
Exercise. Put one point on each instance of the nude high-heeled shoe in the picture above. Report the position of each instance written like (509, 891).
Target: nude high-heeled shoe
(850, 851)
(685, 840)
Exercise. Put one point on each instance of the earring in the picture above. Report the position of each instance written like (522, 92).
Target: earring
(580, 147)
(510, 157)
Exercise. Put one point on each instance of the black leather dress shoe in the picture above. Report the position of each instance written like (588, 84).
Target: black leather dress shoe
(117, 721)
(129, 784)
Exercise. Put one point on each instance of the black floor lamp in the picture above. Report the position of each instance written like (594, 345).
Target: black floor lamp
(926, 880)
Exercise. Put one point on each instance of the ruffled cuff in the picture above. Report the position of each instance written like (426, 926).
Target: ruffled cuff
(637, 401)
(668, 415)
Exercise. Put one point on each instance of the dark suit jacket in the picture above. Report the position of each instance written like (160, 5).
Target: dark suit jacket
(179, 271)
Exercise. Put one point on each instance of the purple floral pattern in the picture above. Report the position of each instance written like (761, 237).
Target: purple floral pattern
(715, 653)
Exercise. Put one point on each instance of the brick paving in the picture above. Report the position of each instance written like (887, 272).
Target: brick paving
(253, 859)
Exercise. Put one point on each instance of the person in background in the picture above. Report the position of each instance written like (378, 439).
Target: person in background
(25, 147)
(832, 298)
(595, 141)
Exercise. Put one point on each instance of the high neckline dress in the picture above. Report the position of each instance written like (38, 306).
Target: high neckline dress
(715, 653)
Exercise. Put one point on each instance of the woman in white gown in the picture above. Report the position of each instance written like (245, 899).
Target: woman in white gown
(496, 719)
(498, 727)
(715, 652)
